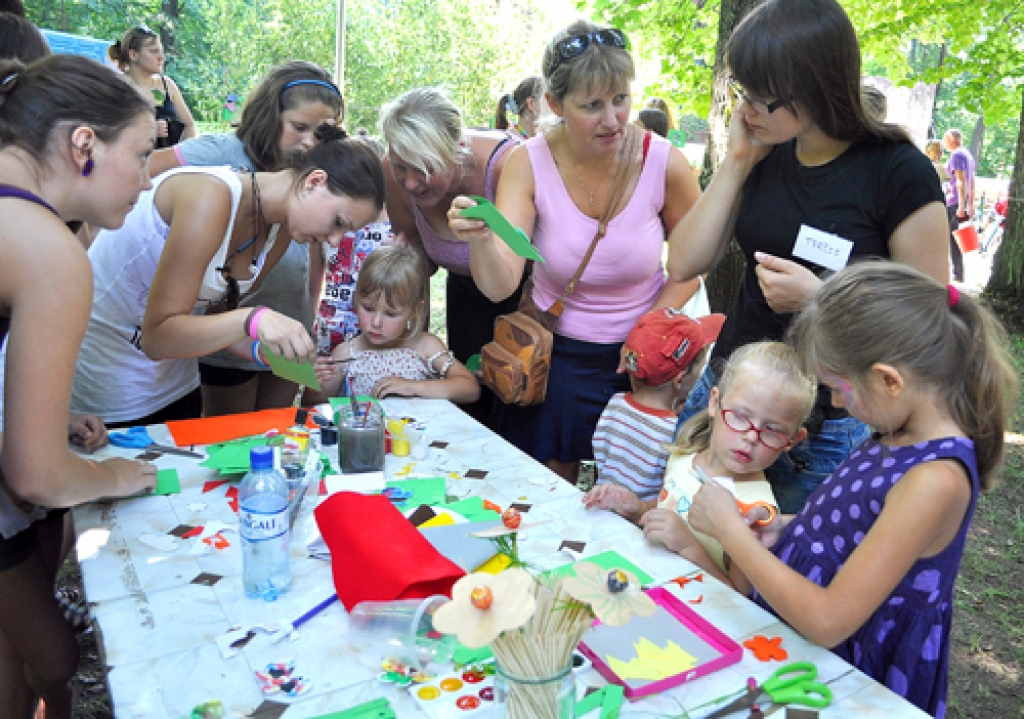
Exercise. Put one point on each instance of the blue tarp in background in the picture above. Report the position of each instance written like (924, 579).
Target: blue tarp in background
(65, 44)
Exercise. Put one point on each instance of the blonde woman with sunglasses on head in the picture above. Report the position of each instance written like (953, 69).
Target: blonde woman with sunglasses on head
(807, 166)
(556, 188)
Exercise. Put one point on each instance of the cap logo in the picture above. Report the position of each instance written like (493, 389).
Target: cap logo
(630, 360)
(680, 351)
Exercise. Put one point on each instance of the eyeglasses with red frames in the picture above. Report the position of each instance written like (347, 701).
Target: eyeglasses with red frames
(760, 106)
(770, 438)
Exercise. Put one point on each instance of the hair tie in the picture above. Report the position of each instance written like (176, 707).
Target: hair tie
(330, 86)
(7, 86)
(954, 296)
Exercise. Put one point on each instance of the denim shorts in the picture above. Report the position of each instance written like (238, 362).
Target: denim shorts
(796, 473)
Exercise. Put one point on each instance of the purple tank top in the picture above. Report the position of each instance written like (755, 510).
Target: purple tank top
(448, 252)
(19, 194)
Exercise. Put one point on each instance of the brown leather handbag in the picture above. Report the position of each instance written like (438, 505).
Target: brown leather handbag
(516, 365)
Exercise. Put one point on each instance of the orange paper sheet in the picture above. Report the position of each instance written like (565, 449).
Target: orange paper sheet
(211, 430)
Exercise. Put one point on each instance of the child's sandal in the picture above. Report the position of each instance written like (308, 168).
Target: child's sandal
(76, 613)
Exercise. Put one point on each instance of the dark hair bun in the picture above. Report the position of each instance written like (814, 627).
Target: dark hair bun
(328, 132)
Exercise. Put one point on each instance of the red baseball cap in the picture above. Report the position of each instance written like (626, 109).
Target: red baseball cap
(665, 341)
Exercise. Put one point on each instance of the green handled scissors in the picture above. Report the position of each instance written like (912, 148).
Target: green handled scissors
(792, 684)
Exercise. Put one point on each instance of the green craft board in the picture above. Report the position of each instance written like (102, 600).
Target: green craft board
(233, 457)
(472, 508)
(167, 482)
(301, 372)
(339, 402)
(429, 491)
(609, 698)
(465, 655)
(376, 709)
(513, 236)
(606, 560)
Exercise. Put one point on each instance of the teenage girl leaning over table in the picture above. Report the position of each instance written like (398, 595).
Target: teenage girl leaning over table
(555, 188)
(804, 156)
(279, 119)
(754, 414)
(74, 141)
(168, 283)
(868, 565)
(393, 355)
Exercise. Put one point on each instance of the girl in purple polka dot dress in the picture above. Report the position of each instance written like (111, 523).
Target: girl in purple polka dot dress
(868, 565)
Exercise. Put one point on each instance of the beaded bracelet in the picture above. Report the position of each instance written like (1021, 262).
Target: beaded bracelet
(252, 322)
(256, 354)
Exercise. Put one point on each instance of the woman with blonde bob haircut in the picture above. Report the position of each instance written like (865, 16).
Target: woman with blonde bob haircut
(431, 159)
(556, 191)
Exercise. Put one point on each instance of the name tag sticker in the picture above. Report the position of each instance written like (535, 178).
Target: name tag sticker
(822, 248)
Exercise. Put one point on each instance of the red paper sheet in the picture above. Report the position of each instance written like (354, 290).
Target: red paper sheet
(377, 555)
(210, 430)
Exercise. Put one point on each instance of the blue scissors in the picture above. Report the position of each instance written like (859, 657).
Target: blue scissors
(139, 438)
(792, 684)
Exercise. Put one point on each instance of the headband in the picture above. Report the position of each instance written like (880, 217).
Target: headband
(954, 296)
(328, 85)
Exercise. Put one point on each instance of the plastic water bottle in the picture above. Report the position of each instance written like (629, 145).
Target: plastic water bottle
(263, 527)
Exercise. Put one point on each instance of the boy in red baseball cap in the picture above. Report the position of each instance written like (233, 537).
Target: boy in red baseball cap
(664, 354)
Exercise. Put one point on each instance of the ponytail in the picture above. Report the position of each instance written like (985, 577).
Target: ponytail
(501, 114)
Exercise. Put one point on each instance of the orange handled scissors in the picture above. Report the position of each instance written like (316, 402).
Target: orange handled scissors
(745, 507)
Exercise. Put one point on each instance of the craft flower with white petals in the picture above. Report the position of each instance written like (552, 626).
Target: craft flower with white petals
(485, 605)
(614, 596)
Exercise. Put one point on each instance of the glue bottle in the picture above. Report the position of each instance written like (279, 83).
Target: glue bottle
(263, 528)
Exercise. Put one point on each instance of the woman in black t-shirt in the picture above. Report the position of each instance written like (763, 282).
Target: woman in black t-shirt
(810, 182)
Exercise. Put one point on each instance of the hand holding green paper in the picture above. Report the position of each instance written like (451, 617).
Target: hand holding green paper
(513, 236)
(299, 371)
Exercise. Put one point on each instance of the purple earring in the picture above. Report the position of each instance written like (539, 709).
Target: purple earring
(89, 165)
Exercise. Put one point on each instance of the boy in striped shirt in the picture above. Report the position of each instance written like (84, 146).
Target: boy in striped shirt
(664, 355)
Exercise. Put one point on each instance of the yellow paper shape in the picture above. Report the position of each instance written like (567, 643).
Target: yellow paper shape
(652, 663)
(438, 520)
(495, 565)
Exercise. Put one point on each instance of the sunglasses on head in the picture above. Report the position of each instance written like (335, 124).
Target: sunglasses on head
(762, 107)
(575, 45)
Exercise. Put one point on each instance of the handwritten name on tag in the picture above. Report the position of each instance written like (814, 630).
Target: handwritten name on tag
(822, 248)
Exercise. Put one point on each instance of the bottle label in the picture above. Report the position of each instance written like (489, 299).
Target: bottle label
(256, 526)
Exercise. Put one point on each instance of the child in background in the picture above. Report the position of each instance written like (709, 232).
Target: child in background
(392, 355)
(868, 565)
(336, 319)
(663, 354)
(754, 414)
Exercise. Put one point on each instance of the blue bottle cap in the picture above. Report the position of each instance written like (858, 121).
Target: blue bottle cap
(261, 457)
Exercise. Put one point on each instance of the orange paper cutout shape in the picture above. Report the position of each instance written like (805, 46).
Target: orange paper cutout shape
(698, 600)
(217, 541)
(699, 577)
(681, 581)
(766, 649)
(492, 506)
(210, 430)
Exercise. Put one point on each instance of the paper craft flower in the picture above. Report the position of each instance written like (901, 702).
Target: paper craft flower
(766, 649)
(612, 603)
(512, 604)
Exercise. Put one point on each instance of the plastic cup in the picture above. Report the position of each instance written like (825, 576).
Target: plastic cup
(402, 630)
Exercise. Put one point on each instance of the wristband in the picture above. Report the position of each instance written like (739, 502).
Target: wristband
(252, 321)
(256, 354)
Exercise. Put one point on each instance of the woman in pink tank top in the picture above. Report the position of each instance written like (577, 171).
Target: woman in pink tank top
(556, 192)
(431, 159)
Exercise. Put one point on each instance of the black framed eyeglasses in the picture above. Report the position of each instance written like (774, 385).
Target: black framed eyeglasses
(573, 46)
(770, 438)
(760, 106)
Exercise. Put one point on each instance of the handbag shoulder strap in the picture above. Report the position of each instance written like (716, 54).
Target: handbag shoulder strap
(621, 180)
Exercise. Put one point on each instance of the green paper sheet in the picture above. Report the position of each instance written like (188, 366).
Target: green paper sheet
(465, 655)
(167, 482)
(376, 709)
(301, 372)
(472, 508)
(612, 702)
(428, 491)
(233, 457)
(606, 560)
(513, 236)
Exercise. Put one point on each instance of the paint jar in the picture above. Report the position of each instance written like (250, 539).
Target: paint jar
(551, 696)
(402, 630)
(360, 438)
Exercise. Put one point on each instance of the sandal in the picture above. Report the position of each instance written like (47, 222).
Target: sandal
(75, 610)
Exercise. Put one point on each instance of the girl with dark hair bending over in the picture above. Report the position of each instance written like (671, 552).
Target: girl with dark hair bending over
(556, 188)
(169, 282)
(74, 140)
(806, 166)
(279, 119)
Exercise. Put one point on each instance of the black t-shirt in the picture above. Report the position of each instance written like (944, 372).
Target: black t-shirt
(863, 195)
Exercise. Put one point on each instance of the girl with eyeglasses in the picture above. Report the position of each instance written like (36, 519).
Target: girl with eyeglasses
(169, 282)
(279, 119)
(807, 167)
(74, 141)
(755, 413)
(140, 55)
(556, 188)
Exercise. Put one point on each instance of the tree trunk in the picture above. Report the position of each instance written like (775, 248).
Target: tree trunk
(978, 140)
(1008, 265)
(724, 279)
(172, 12)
